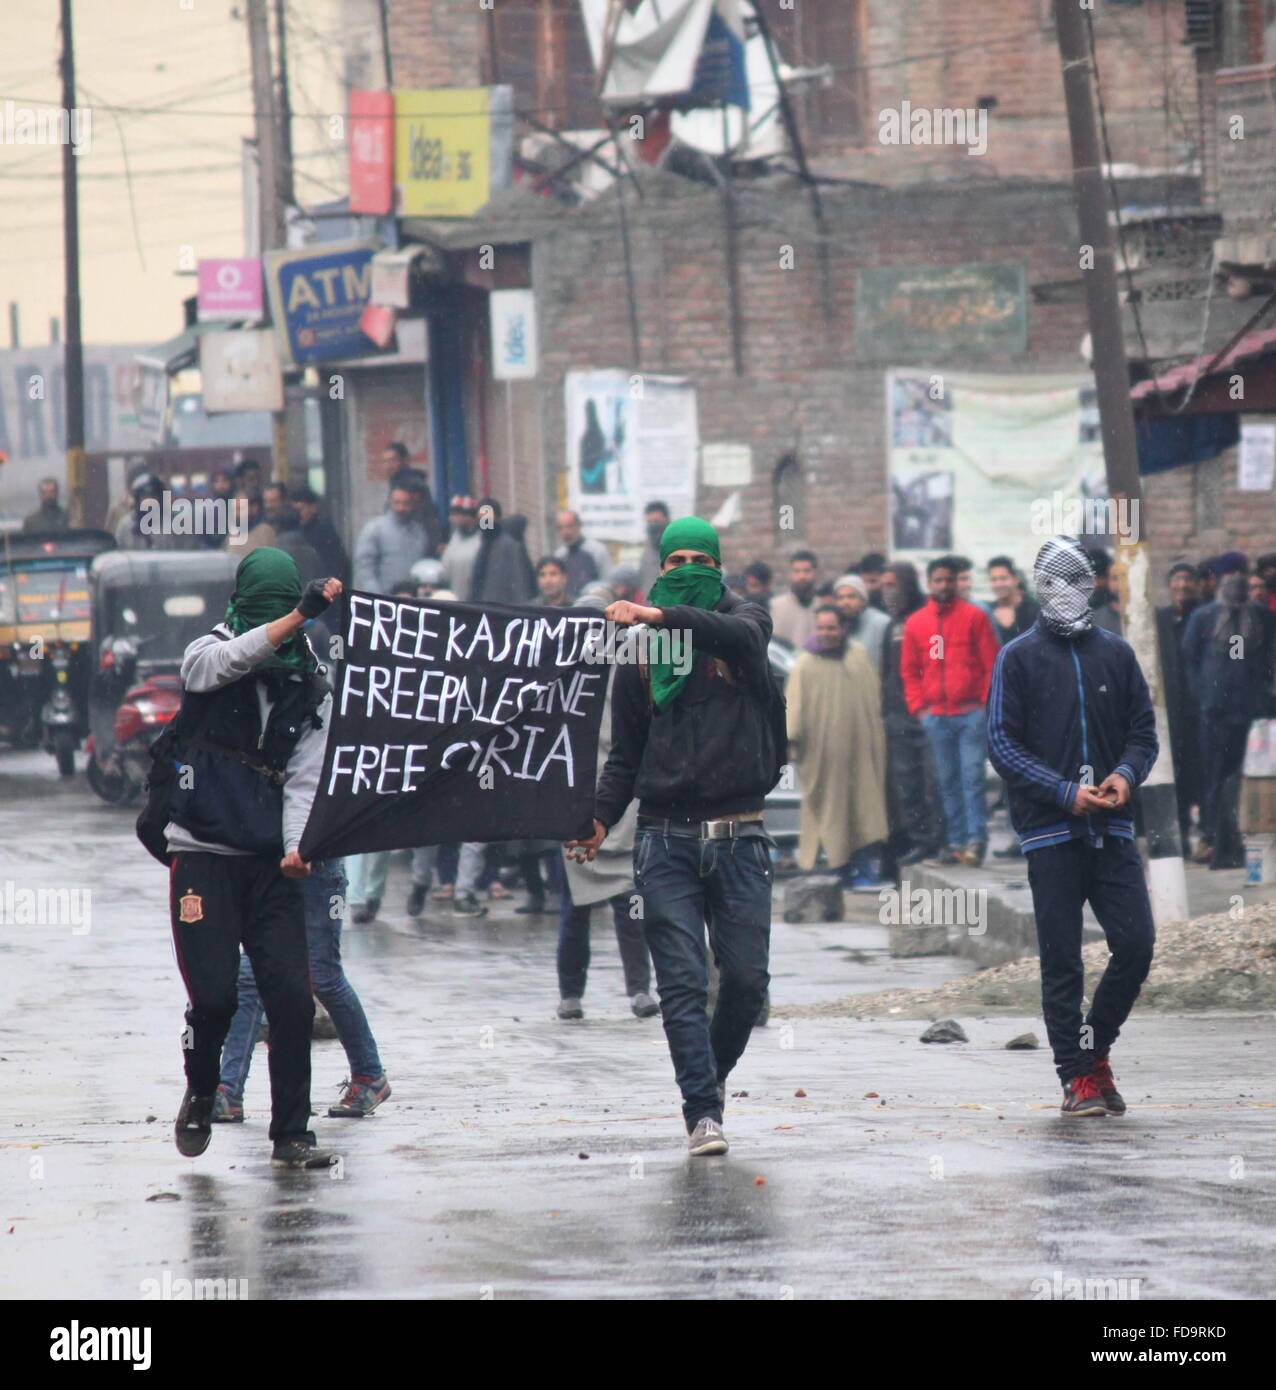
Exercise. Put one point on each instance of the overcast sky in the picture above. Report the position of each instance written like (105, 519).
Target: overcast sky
(189, 57)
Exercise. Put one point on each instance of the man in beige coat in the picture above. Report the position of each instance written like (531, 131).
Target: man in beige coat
(835, 729)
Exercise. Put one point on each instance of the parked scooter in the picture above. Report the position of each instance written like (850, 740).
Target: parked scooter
(60, 719)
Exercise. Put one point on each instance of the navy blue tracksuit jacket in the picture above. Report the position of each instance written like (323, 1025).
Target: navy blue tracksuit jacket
(1056, 708)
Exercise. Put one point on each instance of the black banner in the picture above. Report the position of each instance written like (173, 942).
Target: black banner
(459, 721)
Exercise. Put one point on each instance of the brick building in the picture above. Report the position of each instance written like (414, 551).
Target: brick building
(807, 397)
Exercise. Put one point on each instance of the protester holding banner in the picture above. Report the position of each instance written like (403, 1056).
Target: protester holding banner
(252, 731)
(700, 742)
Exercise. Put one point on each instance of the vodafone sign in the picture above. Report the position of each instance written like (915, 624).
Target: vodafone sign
(230, 289)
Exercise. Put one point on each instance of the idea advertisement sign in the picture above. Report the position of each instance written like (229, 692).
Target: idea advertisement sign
(230, 289)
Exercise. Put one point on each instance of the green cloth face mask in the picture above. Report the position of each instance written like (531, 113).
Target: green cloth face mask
(694, 586)
(268, 586)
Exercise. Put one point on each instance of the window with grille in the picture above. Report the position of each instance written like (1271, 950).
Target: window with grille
(819, 33)
(539, 48)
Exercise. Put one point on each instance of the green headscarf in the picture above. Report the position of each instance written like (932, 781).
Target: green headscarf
(696, 586)
(268, 586)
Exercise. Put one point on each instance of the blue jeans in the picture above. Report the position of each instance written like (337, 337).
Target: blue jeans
(687, 884)
(324, 892)
(959, 743)
(368, 873)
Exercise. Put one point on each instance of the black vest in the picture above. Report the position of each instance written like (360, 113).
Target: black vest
(231, 789)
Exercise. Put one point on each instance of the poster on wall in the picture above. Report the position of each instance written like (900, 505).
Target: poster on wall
(984, 465)
(630, 439)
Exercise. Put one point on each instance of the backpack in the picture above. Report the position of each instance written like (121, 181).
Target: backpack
(158, 787)
(166, 764)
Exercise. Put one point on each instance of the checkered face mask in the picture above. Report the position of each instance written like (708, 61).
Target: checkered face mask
(1064, 578)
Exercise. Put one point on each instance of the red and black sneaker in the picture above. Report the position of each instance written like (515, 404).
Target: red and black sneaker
(1081, 1096)
(1104, 1080)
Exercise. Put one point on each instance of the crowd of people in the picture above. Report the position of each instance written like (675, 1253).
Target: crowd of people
(888, 699)
(900, 690)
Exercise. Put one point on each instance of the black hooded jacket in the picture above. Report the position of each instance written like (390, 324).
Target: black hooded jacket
(711, 751)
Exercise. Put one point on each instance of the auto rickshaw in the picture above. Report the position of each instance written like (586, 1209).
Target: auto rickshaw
(45, 660)
(148, 606)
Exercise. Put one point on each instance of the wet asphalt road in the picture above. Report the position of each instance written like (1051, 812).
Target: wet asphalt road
(526, 1158)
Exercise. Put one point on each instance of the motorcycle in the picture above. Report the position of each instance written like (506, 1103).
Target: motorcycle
(117, 775)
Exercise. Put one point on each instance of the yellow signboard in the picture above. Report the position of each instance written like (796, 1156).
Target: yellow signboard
(442, 151)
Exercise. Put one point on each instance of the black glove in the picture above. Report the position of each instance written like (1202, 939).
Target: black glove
(313, 599)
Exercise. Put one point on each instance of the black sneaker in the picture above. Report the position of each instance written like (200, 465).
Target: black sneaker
(467, 905)
(194, 1126)
(416, 899)
(531, 909)
(1011, 851)
(366, 912)
(301, 1153)
(915, 856)
(1104, 1080)
(1081, 1096)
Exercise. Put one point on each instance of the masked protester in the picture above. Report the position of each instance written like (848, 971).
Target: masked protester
(1072, 731)
(695, 739)
(1228, 655)
(251, 734)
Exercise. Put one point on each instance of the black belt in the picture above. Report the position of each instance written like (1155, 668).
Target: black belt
(722, 829)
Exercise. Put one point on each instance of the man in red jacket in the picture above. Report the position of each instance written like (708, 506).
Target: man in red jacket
(946, 663)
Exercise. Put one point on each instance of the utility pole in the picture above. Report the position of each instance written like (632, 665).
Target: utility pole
(1167, 883)
(270, 213)
(285, 108)
(73, 354)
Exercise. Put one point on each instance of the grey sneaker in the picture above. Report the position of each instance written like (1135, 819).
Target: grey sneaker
(707, 1138)
(226, 1109)
(359, 1098)
(643, 1005)
(570, 1008)
(301, 1153)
